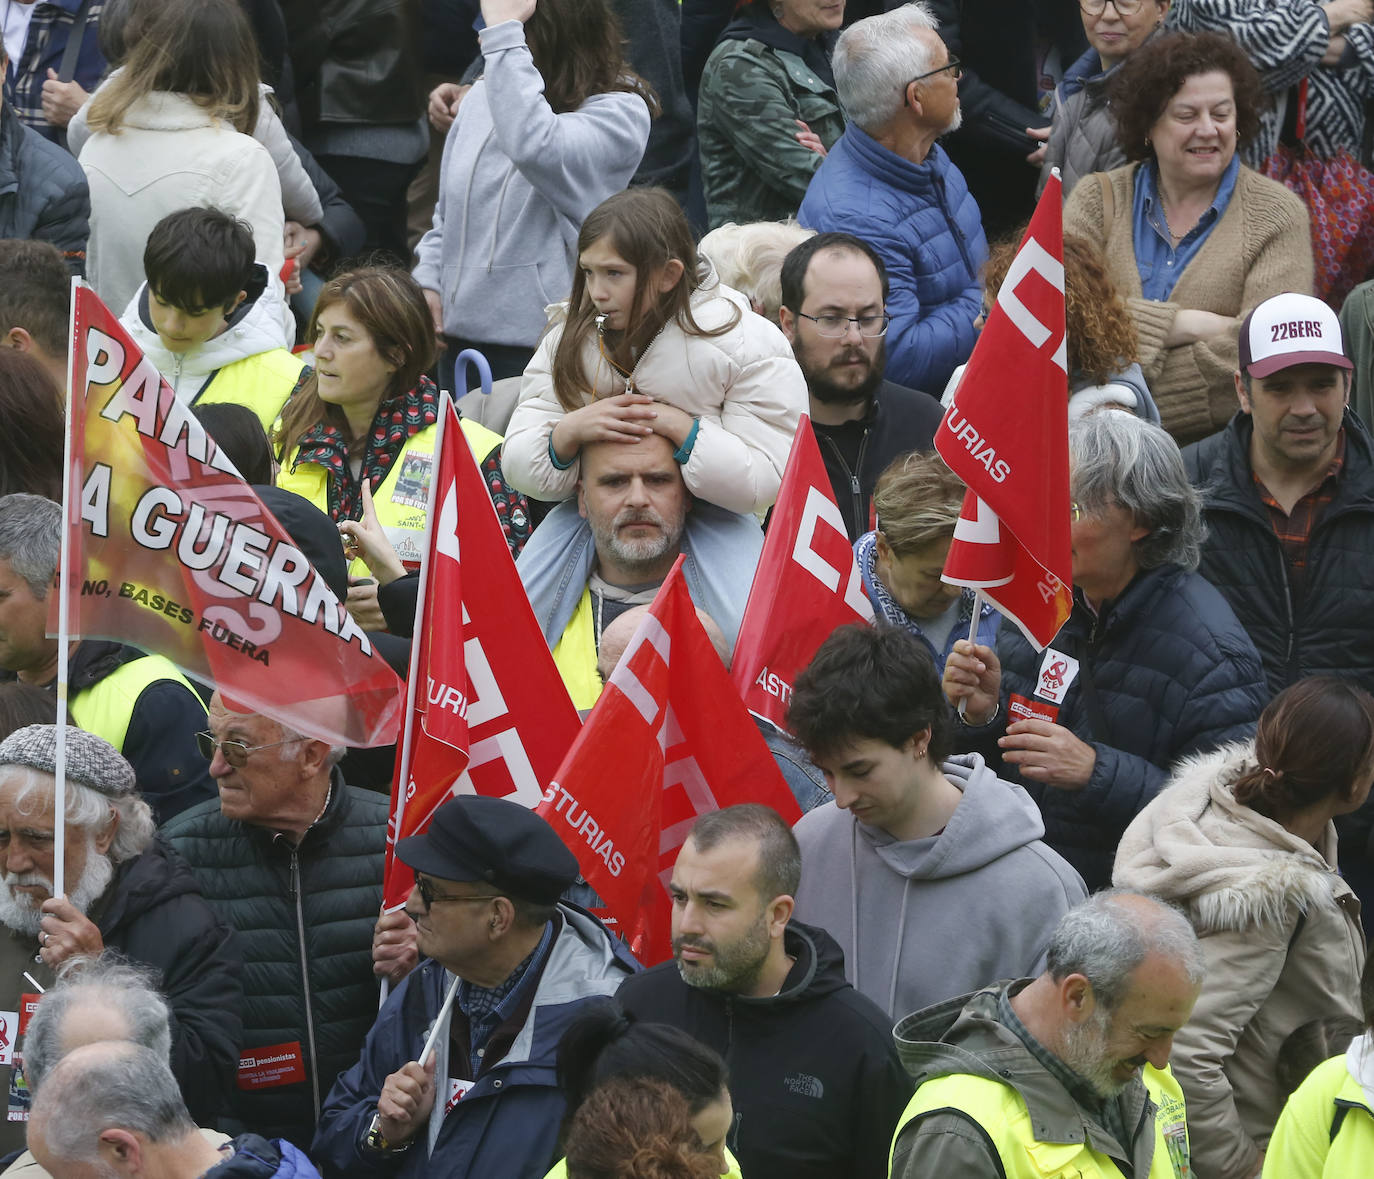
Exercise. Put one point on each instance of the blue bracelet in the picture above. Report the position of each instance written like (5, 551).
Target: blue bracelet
(558, 463)
(683, 452)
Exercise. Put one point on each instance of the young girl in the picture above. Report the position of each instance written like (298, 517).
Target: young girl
(650, 342)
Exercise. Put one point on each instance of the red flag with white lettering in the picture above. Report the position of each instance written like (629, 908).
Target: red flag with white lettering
(1006, 436)
(667, 741)
(169, 550)
(807, 584)
(494, 715)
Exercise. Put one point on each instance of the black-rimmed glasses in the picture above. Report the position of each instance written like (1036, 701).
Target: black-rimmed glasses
(835, 326)
(429, 897)
(953, 65)
(1098, 7)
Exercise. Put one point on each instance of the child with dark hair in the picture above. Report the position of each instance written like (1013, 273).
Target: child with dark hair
(237, 431)
(208, 317)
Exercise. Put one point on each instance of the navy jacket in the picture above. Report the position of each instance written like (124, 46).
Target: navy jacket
(43, 193)
(925, 224)
(1165, 671)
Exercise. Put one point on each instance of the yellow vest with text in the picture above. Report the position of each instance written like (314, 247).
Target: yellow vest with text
(575, 656)
(1002, 1113)
(263, 383)
(107, 706)
(401, 498)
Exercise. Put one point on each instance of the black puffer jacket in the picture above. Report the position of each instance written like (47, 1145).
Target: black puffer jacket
(43, 193)
(305, 917)
(154, 915)
(1165, 671)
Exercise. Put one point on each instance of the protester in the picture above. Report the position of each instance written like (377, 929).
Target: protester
(748, 258)
(1068, 1069)
(291, 857)
(1192, 238)
(636, 1130)
(208, 318)
(114, 1106)
(172, 129)
(557, 123)
(141, 704)
(925, 846)
(43, 193)
(123, 890)
(890, 183)
(916, 506)
(488, 877)
(238, 433)
(35, 303)
(31, 456)
(767, 110)
(1083, 136)
(814, 1080)
(604, 1047)
(61, 43)
(861, 421)
(1151, 665)
(1243, 839)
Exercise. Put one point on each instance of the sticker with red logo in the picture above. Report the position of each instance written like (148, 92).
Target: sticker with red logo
(457, 1090)
(1019, 708)
(271, 1065)
(1057, 672)
(9, 1033)
(28, 1004)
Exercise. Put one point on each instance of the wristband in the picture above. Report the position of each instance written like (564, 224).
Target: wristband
(996, 712)
(558, 463)
(683, 452)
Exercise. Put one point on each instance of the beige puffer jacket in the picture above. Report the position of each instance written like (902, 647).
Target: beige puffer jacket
(1281, 934)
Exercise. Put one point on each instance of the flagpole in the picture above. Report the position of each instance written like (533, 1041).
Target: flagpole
(972, 636)
(439, 1022)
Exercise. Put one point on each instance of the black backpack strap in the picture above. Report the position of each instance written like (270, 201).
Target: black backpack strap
(75, 36)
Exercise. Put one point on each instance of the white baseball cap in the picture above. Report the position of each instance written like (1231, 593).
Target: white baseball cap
(1290, 329)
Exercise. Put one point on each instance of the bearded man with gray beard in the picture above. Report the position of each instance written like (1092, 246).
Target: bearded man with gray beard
(124, 890)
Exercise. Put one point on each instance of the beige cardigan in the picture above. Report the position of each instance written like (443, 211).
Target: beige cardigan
(1260, 247)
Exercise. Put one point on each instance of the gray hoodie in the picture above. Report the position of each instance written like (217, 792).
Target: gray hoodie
(515, 185)
(940, 916)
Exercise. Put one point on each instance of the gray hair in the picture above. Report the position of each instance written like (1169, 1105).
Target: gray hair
(292, 751)
(749, 258)
(876, 57)
(1118, 458)
(31, 538)
(87, 809)
(110, 984)
(1105, 941)
(106, 1086)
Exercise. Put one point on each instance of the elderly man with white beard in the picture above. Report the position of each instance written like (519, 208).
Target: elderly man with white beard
(125, 890)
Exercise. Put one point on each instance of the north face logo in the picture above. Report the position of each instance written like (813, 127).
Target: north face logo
(805, 1085)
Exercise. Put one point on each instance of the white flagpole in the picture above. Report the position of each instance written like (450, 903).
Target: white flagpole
(439, 1022)
(972, 635)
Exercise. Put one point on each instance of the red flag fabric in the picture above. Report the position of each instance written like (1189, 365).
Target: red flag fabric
(806, 585)
(171, 551)
(494, 715)
(667, 741)
(1006, 436)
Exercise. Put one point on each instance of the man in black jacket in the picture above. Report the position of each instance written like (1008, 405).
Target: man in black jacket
(814, 1076)
(834, 287)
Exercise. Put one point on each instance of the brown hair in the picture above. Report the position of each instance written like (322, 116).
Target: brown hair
(391, 308)
(646, 227)
(36, 293)
(1101, 338)
(1148, 79)
(917, 500)
(1315, 739)
(578, 49)
(203, 49)
(636, 1128)
(31, 444)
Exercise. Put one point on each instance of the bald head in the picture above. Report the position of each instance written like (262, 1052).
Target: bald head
(618, 633)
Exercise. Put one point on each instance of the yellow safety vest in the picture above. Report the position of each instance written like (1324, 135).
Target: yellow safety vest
(575, 656)
(1002, 1113)
(402, 497)
(560, 1169)
(263, 383)
(1326, 1130)
(107, 706)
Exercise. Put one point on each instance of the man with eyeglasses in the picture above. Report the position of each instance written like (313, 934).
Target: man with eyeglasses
(291, 857)
(834, 294)
(889, 182)
(488, 877)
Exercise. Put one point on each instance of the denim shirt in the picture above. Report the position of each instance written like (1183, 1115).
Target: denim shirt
(1159, 261)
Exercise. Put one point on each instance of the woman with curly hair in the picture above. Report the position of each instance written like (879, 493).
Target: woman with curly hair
(1192, 238)
(629, 1129)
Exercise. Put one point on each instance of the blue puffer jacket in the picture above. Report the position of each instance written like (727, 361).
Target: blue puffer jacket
(1165, 671)
(925, 225)
(43, 193)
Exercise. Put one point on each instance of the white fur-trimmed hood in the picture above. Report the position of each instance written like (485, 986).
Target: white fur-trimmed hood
(1227, 865)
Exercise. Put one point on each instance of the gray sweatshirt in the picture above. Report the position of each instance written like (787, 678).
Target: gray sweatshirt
(925, 920)
(515, 185)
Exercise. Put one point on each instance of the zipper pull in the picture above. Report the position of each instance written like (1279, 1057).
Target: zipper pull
(854, 484)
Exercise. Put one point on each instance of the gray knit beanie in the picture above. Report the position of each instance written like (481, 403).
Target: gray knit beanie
(91, 760)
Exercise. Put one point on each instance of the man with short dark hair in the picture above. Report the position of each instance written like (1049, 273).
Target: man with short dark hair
(834, 312)
(815, 1081)
(35, 303)
(1070, 1068)
(488, 877)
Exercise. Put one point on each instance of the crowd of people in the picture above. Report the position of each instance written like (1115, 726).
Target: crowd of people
(1094, 909)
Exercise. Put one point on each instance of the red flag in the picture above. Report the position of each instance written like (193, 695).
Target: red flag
(171, 551)
(495, 716)
(1006, 436)
(806, 585)
(667, 741)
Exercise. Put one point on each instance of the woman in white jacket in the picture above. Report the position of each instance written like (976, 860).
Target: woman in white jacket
(1243, 840)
